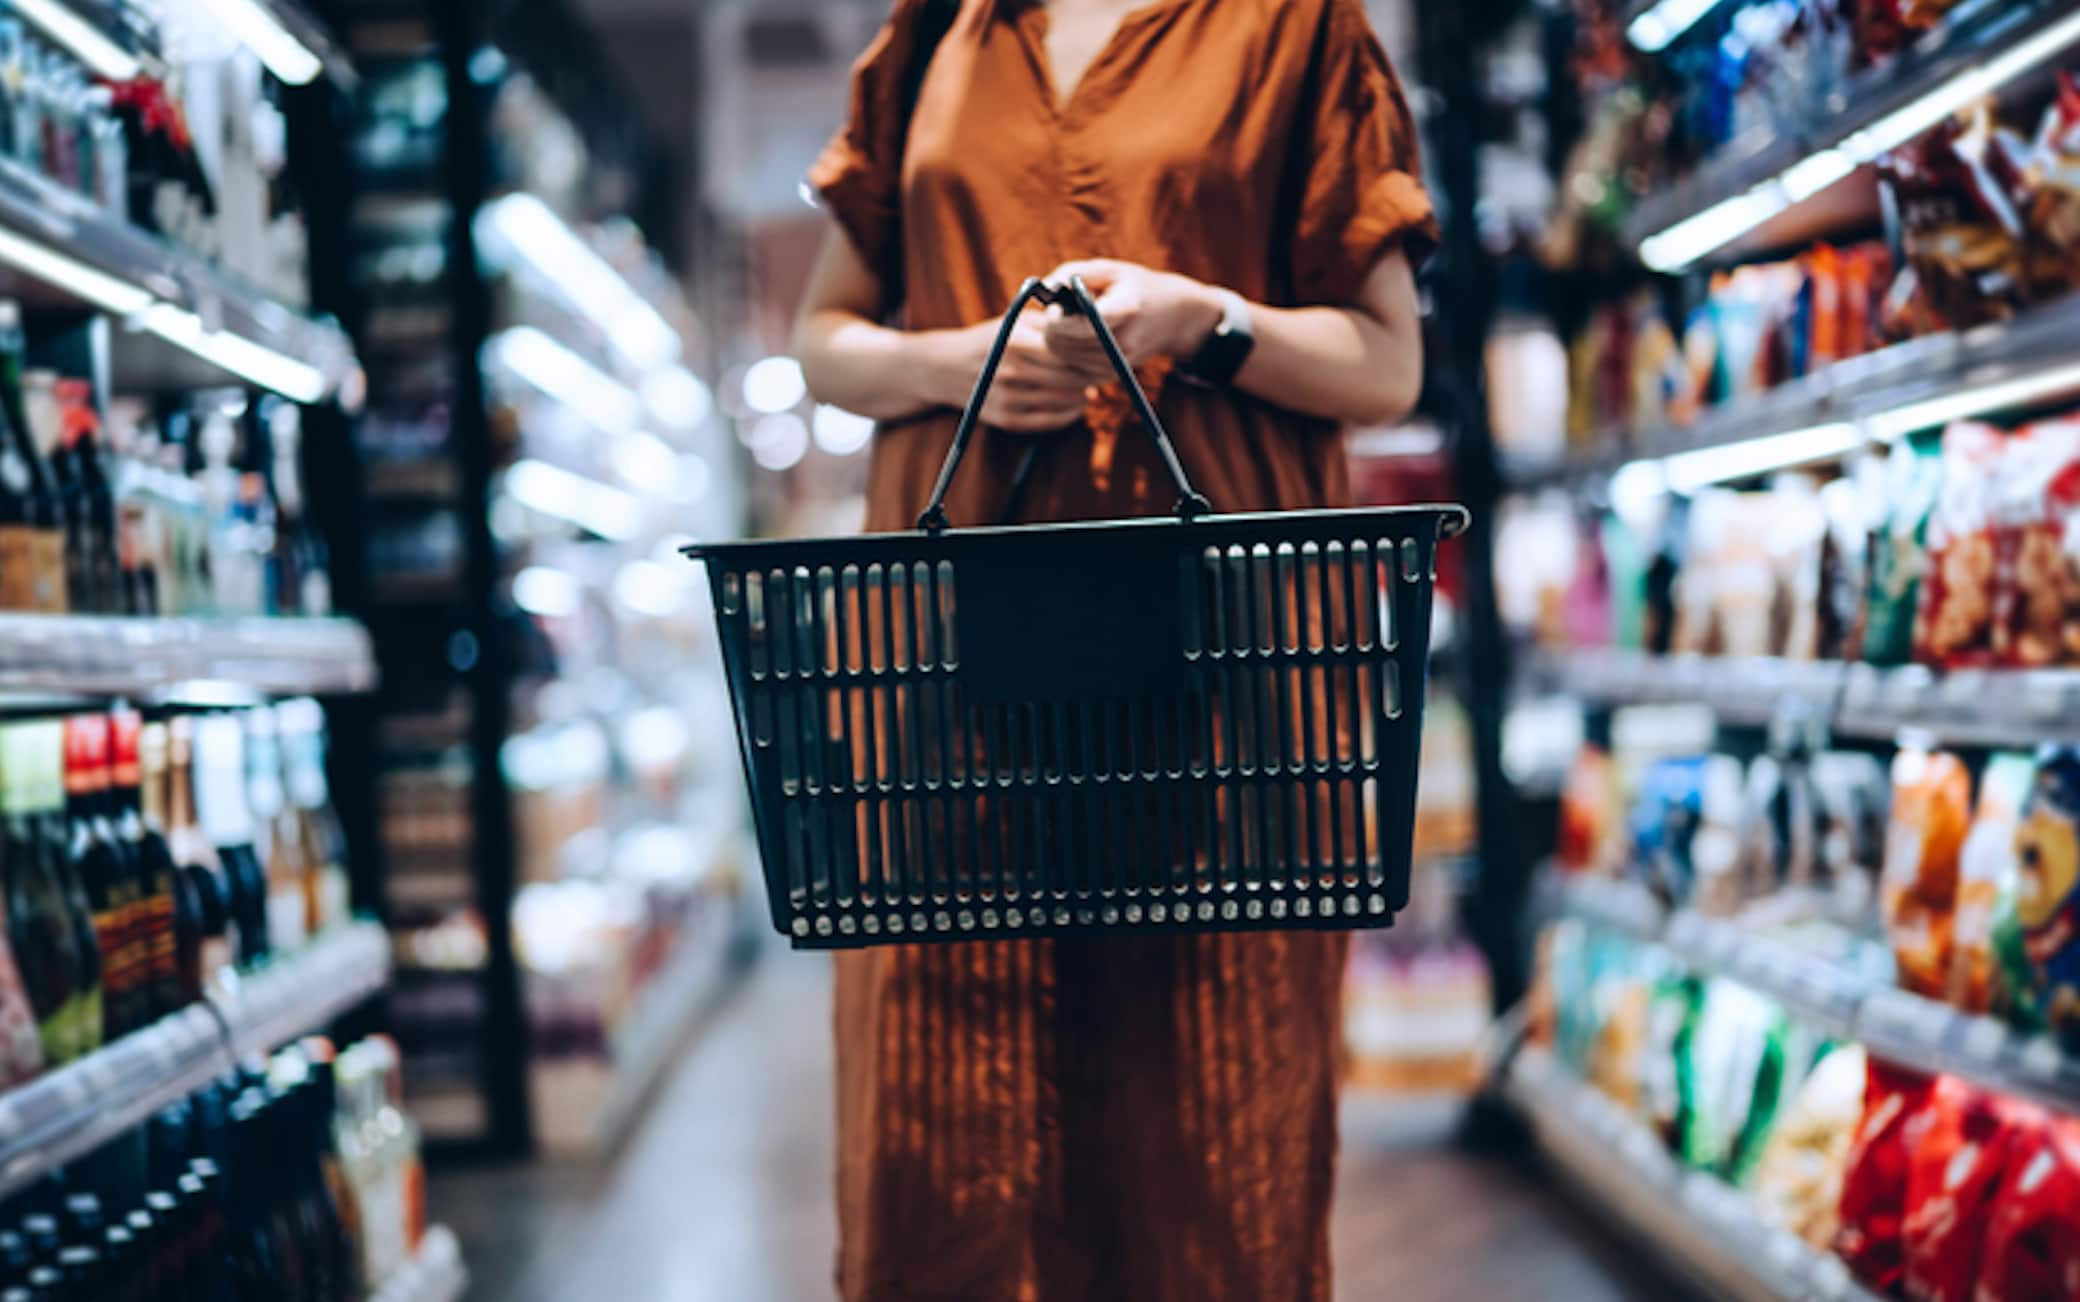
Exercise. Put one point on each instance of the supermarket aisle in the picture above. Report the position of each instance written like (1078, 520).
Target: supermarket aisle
(723, 1195)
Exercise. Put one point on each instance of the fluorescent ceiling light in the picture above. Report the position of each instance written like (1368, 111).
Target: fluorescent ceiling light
(774, 385)
(1728, 220)
(1686, 472)
(1979, 401)
(87, 42)
(644, 461)
(550, 593)
(648, 588)
(261, 32)
(256, 363)
(46, 264)
(561, 374)
(592, 506)
(521, 227)
(1652, 31)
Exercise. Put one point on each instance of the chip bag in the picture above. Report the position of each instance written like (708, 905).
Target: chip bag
(1953, 621)
(1899, 550)
(1799, 1179)
(1960, 1148)
(2031, 1251)
(1874, 1180)
(1917, 889)
(2036, 510)
(2052, 186)
(1986, 874)
(2047, 891)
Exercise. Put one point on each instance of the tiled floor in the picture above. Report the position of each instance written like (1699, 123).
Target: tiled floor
(723, 1193)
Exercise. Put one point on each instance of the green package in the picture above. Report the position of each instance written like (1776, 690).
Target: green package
(1899, 549)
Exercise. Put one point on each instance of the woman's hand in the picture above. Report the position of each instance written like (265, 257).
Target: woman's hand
(1151, 313)
(1035, 391)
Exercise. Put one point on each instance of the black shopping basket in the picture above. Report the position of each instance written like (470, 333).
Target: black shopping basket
(1191, 724)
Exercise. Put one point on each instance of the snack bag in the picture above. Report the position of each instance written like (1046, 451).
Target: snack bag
(1931, 810)
(2031, 1251)
(1799, 1179)
(1852, 793)
(1899, 550)
(1591, 812)
(1736, 1065)
(1953, 621)
(2036, 599)
(2014, 977)
(1960, 1148)
(2047, 891)
(1874, 1180)
(1985, 874)
(2051, 183)
(1958, 227)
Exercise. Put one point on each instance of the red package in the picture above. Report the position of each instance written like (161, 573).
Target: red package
(1874, 1183)
(1961, 1143)
(2031, 1252)
(1953, 625)
(2036, 598)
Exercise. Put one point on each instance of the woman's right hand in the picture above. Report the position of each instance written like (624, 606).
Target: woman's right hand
(1035, 391)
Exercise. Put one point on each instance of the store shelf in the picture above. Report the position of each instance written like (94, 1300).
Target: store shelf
(206, 326)
(1892, 1023)
(436, 1274)
(159, 659)
(1696, 1225)
(75, 1109)
(1880, 392)
(2015, 708)
(1766, 190)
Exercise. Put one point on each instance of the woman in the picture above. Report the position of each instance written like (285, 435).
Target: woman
(1133, 1118)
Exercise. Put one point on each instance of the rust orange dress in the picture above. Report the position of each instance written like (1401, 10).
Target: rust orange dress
(1116, 1118)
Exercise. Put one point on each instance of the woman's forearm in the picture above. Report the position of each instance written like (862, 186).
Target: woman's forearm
(868, 368)
(1340, 364)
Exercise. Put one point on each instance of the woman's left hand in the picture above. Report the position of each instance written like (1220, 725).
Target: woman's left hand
(1151, 313)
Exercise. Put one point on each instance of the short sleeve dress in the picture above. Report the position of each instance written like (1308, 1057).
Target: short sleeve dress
(1133, 1118)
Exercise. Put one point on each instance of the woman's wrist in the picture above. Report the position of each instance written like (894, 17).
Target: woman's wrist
(939, 371)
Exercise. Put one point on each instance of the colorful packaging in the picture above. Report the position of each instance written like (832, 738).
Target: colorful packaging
(1953, 623)
(2051, 182)
(2031, 1249)
(1959, 1149)
(1874, 1180)
(1899, 550)
(1736, 1056)
(1591, 813)
(1985, 875)
(1799, 1179)
(1958, 227)
(2036, 598)
(2047, 891)
(1852, 795)
(1931, 811)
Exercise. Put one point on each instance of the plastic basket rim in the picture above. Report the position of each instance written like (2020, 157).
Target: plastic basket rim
(1454, 519)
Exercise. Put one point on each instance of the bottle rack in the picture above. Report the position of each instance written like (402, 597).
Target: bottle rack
(74, 1109)
(1696, 1225)
(1892, 1023)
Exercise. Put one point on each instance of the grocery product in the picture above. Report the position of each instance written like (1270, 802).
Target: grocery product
(1735, 1053)
(2031, 1249)
(1591, 813)
(1899, 551)
(1799, 1178)
(1931, 811)
(2051, 182)
(1874, 1180)
(1959, 1149)
(2047, 892)
(2036, 509)
(1959, 228)
(1853, 797)
(1985, 876)
(1953, 622)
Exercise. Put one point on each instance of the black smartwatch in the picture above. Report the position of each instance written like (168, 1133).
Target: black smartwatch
(1220, 358)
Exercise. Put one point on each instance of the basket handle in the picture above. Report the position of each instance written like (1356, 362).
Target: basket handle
(1074, 299)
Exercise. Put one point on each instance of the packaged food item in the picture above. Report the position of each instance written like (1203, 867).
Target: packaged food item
(2036, 599)
(1931, 810)
(1799, 1179)
(1795, 533)
(1959, 1150)
(1736, 1058)
(1852, 796)
(1986, 874)
(1664, 1093)
(1591, 813)
(2031, 1249)
(1899, 550)
(2051, 181)
(2014, 994)
(1874, 1179)
(1849, 509)
(1958, 228)
(2047, 889)
(1953, 624)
